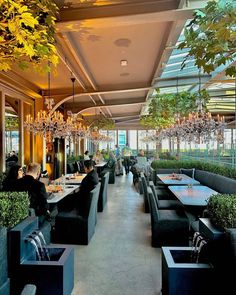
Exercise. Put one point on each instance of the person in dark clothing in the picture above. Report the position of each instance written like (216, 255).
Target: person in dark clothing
(13, 157)
(15, 172)
(36, 190)
(82, 201)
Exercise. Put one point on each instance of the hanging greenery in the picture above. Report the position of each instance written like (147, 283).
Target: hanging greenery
(211, 36)
(27, 29)
(164, 107)
(160, 113)
(102, 123)
(12, 123)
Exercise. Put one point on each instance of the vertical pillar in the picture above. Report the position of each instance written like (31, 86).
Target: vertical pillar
(137, 139)
(21, 133)
(127, 136)
(2, 132)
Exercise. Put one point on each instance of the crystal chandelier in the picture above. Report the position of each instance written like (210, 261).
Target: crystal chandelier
(48, 124)
(96, 137)
(199, 126)
(74, 130)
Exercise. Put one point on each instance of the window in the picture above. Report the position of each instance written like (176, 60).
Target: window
(121, 138)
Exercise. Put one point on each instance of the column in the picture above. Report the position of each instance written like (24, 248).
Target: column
(21, 132)
(2, 132)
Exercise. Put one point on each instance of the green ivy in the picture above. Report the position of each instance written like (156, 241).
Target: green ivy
(222, 210)
(14, 207)
(211, 36)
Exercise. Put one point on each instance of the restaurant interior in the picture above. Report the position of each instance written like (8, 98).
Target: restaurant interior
(152, 84)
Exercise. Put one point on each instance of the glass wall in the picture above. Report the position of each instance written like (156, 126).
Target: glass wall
(133, 136)
(122, 138)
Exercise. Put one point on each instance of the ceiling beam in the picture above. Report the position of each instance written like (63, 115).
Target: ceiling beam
(123, 9)
(64, 100)
(138, 13)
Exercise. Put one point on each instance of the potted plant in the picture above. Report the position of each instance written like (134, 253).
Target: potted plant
(222, 210)
(14, 208)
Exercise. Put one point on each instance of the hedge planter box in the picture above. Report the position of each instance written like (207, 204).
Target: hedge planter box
(51, 272)
(181, 276)
(4, 281)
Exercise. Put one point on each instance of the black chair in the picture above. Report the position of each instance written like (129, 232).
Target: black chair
(102, 199)
(169, 227)
(71, 228)
(112, 173)
(165, 204)
(145, 194)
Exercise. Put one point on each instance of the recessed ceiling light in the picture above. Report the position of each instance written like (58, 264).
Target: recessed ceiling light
(124, 63)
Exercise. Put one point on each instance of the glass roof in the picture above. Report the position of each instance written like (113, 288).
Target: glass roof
(222, 90)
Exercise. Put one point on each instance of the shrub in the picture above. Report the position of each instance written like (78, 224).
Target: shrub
(222, 210)
(14, 207)
(201, 165)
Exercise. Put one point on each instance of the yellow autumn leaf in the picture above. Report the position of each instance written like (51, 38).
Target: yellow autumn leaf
(4, 66)
(23, 9)
(54, 59)
(28, 19)
(29, 50)
(12, 27)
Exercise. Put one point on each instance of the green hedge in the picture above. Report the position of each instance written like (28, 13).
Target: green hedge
(222, 210)
(200, 165)
(14, 207)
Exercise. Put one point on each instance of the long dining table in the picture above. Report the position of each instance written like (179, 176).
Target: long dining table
(177, 179)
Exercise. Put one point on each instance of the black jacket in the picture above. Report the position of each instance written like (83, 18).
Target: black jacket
(36, 190)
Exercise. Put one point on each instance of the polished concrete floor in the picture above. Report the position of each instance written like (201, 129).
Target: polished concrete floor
(119, 259)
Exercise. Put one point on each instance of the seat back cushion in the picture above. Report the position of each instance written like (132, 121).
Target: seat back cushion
(188, 172)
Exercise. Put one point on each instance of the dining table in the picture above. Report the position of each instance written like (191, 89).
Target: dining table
(70, 179)
(58, 192)
(99, 167)
(177, 179)
(196, 195)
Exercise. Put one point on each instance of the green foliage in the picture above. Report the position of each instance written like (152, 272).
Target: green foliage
(14, 207)
(201, 165)
(222, 210)
(27, 29)
(102, 123)
(12, 123)
(166, 156)
(2, 176)
(211, 36)
(163, 107)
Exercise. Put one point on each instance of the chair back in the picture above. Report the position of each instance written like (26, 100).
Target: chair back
(153, 208)
(145, 193)
(102, 200)
(93, 196)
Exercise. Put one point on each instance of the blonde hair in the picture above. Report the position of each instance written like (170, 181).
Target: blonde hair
(33, 168)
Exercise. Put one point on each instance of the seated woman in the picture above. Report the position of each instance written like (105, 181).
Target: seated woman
(98, 158)
(15, 172)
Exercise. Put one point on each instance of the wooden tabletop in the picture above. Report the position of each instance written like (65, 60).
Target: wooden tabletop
(196, 195)
(177, 179)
